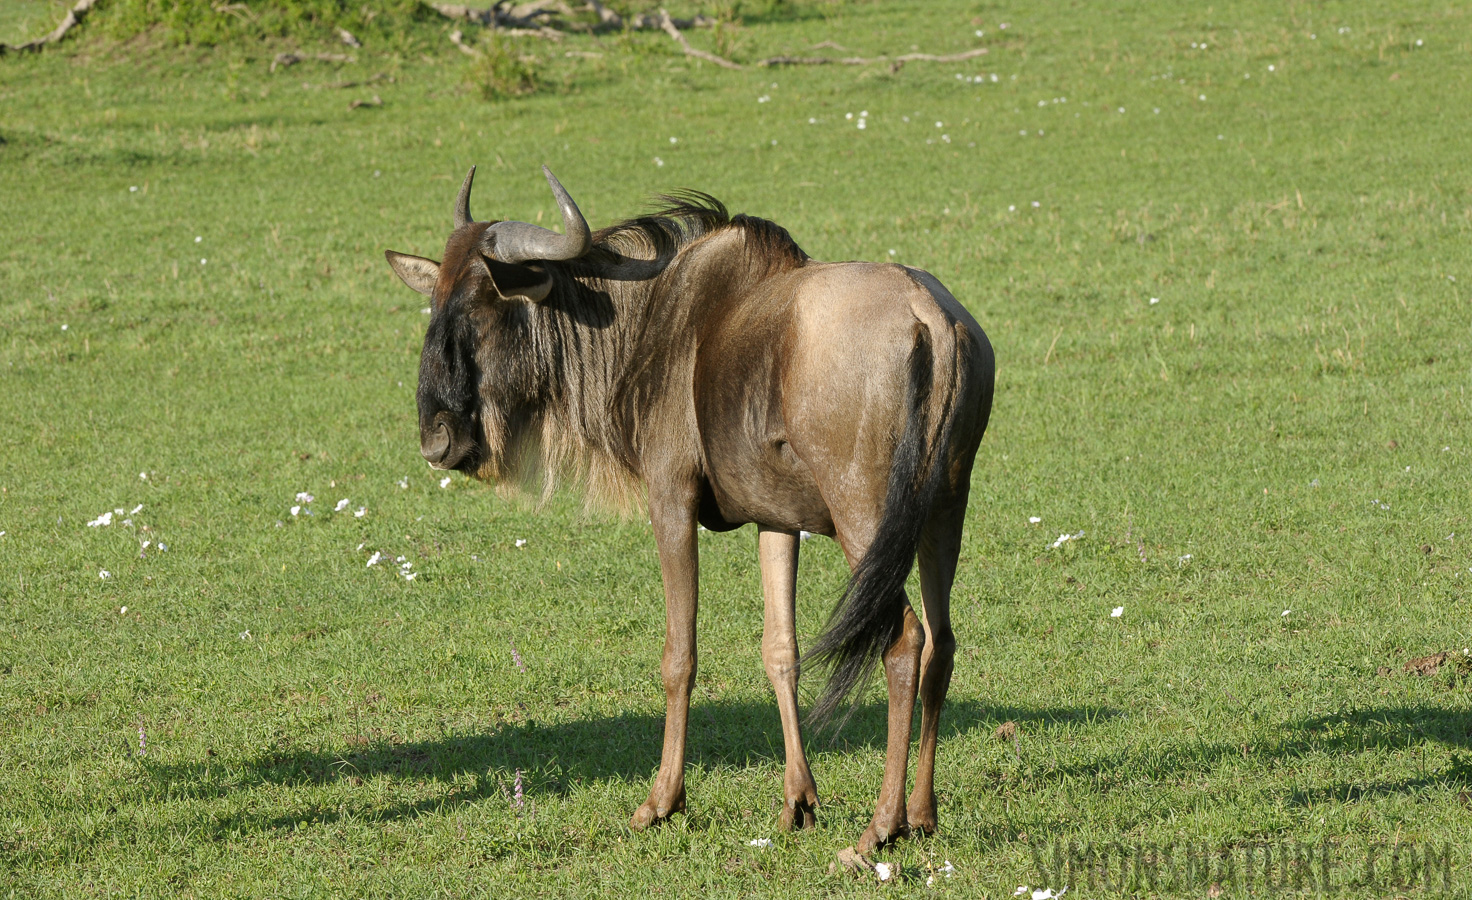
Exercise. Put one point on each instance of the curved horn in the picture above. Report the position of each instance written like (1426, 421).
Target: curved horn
(462, 202)
(515, 242)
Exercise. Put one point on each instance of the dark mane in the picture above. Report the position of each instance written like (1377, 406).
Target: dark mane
(686, 216)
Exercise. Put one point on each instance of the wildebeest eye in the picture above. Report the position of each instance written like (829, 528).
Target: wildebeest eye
(518, 281)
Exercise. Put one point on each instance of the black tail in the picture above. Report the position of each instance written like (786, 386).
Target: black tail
(867, 619)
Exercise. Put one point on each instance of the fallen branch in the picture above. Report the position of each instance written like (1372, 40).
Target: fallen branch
(74, 17)
(867, 61)
(498, 16)
(673, 31)
(291, 59)
(357, 104)
(458, 40)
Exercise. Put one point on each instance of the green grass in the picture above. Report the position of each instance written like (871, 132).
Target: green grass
(1285, 429)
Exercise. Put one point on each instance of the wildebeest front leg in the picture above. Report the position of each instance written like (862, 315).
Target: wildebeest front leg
(674, 536)
(777, 551)
(901, 665)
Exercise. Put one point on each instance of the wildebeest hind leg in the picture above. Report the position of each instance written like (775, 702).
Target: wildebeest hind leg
(901, 665)
(674, 535)
(940, 545)
(777, 551)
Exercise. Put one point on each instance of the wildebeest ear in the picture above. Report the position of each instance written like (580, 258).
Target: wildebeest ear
(515, 281)
(416, 271)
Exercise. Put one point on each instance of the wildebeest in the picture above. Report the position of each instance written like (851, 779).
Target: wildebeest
(704, 360)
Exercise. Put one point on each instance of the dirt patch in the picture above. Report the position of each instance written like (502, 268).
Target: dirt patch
(1427, 665)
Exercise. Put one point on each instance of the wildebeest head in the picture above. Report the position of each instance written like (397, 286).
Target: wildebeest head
(476, 384)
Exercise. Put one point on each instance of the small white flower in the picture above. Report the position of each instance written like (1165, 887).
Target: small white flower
(801, 535)
(406, 565)
(658, 161)
(245, 635)
(65, 327)
(1287, 611)
(360, 512)
(848, 115)
(762, 843)
(304, 497)
(296, 510)
(1154, 300)
(409, 576)
(202, 261)
(123, 611)
(1034, 519)
(403, 482)
(445, 482)
(1184, 559)
(812, 121)
(143, 475)
(862, 125)
(136, 510)
(373, 560)
(101, 521)
(1272, 68)
(521, 542)
(132, 188)
(197, 238)
(1035, 203)
(104, 574)
(1021, 889)
(940, 124)
(144, 546)
(1202, 97)
(1011, 209)
(119, 511)
(883, 871)
(1418, 42)
(1116, 612)
(891, 251)
(341, 505)
(674, 140)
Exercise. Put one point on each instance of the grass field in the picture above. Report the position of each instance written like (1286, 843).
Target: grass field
(1225, 257)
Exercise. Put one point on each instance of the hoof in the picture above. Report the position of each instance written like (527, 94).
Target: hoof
(921, 819)
(653, 812)
(877, 835)
(798, 814)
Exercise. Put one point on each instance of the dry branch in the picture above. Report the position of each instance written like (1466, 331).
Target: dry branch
(458, 39)
(670, 28)
(866, 61)
(73, 17)
(291, 59)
